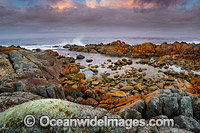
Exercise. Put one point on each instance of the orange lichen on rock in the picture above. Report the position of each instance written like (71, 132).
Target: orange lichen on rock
(117, 104)
(119, 107)
(195, 89)
(106, 96)
(119, 94)
(68, 82)
(89, 93)
(117, 47)
(67, 90)
(52, 52)
(179, 50)
(79, 76)
(195, 58)
(83, 82)
(99, 91)
(82, 88)
(145, 48)
(48, 51)
(7, 50)
(69, 69)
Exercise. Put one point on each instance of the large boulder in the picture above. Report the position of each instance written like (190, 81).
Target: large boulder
(170, 103)
(12, 119)
(50, 91)
(186, 106)
(171, 106)
(187, 123)
(154, 107)
(133, 111)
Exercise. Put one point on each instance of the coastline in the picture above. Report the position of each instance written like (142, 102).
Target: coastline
(47, 74)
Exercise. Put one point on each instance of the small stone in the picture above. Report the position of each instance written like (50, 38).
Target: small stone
(80, 57)
(127, 88)
(137, 87)
(116, 75)
(119, 94)
(95, 83)
(82, 67)
(79, 100)
(94, 70)
(109, 60)
(91, 101)
(121, 85)
(89, 60)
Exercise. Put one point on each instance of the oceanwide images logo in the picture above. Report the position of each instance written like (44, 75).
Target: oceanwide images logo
(45, 121)
(29, 121)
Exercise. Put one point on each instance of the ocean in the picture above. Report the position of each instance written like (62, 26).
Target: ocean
(98, 59)
(49, 42)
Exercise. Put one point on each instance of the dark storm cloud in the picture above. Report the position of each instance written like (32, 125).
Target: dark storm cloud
(160, 3)
(41, 18)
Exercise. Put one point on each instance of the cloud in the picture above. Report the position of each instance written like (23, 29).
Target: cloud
(115, 16)
(92, 3)
(141, 4)
(116, 3)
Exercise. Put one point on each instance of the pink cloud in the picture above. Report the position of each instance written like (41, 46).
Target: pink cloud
(92, 3)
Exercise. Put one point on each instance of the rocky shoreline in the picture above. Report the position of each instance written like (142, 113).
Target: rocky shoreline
(31, 75)
(181, 50)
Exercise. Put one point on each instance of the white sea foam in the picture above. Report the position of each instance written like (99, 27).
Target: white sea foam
(77, 41)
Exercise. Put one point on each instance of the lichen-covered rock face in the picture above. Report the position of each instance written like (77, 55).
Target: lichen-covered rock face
(27, 71)
(115, 49)
(145, 48)
(12, 119)
(38, 64)
(7, 50)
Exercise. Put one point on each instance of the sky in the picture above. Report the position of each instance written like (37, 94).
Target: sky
(135, 18)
